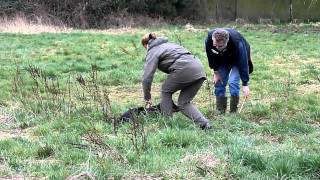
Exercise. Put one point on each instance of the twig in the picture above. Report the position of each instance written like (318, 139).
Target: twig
(207, 171)
(209, 85)
(227, 171)
(78, 146)
(124, 50)
(98, 146)
(135, 47)
(137, 135)
(244, 101)
(178, 38)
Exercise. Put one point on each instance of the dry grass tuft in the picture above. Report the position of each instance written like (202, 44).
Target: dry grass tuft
(206, 160)
(22, 177)
(82, 176)
(117, 24)
(117, 31)
(309, 89)
(203, 162)
(13, 177)
(13, 133)
(129, 94)
(7, 115)
(20, 24)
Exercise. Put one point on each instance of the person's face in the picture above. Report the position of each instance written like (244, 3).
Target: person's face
(220, 44)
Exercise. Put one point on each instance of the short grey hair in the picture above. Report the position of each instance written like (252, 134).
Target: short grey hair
(220, 34)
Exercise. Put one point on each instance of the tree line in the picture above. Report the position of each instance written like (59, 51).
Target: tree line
(98, 13)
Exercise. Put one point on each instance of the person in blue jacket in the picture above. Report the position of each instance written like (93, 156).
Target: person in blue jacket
(228, 55)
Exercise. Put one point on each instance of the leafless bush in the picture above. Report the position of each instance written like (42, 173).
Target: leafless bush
(265, 21)
(35, 74)
(178, 38)
(56, 94)
(209, 92)
(99, 95)
(137, 135)
(134, 54)
(241, 21)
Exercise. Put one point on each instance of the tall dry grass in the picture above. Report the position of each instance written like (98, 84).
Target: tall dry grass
(20, 24)
(45, 24)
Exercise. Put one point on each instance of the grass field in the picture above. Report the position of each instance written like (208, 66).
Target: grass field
(60, 93)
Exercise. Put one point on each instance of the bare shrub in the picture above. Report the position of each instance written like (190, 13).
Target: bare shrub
(265, 21)
(241, 21)
(137, 135)
(56, 95)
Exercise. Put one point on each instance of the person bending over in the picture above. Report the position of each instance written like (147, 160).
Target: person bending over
(184, 73)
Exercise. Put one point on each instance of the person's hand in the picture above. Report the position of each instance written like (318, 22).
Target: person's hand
(246, 91)
(216, 78)
(148, 103)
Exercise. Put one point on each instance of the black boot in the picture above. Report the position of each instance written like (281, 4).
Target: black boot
(234, 101)
(221, 104)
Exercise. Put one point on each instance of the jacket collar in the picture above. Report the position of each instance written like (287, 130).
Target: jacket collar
(156, 42)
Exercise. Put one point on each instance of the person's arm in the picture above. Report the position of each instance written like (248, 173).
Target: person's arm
(242, 57)
(150, 67)
(243, 66)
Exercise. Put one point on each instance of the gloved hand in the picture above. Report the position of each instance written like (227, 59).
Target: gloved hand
(148, 103)
(246, 91)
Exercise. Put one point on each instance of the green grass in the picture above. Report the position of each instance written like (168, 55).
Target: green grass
(62, 130)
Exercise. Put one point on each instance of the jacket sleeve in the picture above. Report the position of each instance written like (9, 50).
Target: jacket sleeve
(150, 68)
(242, 57)
(208, 43)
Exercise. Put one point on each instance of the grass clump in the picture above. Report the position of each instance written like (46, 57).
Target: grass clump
(178, 138)
(45, 151)
(253, 160)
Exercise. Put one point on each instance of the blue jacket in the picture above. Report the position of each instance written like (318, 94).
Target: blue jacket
(237, 54)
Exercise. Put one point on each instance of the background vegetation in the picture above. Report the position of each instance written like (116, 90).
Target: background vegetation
(136, 13)
(99, 13)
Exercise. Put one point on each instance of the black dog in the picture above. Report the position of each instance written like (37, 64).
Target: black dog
(134, 112)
